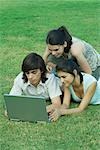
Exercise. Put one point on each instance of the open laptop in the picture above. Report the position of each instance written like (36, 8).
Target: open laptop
(26, 108)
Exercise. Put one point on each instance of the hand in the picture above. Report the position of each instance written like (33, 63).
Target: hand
(55, 114)
(49, 109)
(50, 66)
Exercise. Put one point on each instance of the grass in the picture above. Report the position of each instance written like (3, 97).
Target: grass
(23, 28)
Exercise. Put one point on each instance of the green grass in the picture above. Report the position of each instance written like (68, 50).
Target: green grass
(23, 28)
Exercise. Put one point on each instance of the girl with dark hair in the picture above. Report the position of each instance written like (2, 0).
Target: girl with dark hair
(34, 81)
(81, 87)
(61, 44)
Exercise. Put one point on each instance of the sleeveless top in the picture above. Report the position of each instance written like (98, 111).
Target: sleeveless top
(87, 81)
(92, 56)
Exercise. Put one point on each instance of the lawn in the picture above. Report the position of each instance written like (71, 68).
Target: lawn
(23, 28)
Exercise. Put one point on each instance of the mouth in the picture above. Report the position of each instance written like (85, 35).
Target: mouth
(33, 82)
(57, 56)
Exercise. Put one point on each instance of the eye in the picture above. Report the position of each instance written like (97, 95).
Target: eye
(34, 71)
(27, 73)
(50, 50)
(53, 50)
(63, 77)
(56, 49)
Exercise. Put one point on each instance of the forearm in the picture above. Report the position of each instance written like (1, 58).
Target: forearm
(66, 98)
(45, 57)
(65, 106)
(46, 54)
(53, 106)
(70, 111)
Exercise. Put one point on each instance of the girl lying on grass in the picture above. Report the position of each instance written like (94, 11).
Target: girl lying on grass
(61, 44)
(81, 87)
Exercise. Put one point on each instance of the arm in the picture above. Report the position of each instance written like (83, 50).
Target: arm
(46, 54)
(50, 66)
(67, 98)
(83, 105)
(56, 103)
(54, 92)
(16, 89)
(77, 51)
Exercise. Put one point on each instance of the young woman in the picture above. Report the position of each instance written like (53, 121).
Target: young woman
(34, 81)
(83, 88)
(61, 43)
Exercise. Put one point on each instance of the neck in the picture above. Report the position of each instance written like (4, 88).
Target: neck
(76, 82)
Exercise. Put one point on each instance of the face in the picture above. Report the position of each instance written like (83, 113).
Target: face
(56, 50)
(34, 76)
(66, 78)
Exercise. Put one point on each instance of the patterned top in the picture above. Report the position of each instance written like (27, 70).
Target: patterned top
(92, 56)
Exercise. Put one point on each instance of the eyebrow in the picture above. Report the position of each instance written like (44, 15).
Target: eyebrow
(56, 49)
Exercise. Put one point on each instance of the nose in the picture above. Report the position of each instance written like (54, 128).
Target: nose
(30, 76)
(54, 53)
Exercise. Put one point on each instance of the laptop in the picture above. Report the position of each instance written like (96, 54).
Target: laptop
(26, 108)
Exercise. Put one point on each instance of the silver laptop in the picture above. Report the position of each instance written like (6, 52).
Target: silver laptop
(26, 108)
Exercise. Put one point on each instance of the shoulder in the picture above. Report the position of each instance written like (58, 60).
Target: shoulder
(88, 79)
(50, 76)
(52, 80)
(88, 76)
(77, 46)
(19, 78)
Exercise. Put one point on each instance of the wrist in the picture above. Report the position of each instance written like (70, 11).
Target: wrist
(65, 106)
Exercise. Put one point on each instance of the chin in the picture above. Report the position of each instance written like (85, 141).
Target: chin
(34, 84)
(58, 56)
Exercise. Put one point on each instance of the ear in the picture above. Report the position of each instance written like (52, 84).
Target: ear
(65, 44)
(75, 72)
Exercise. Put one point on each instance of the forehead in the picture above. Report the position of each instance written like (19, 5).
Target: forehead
(62, 73)
(34, 70)
(53, 47)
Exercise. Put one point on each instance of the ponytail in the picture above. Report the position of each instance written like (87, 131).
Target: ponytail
(68, 38)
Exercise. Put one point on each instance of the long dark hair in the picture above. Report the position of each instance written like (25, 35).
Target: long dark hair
(31, 62)
(69, 66)
(58, 37)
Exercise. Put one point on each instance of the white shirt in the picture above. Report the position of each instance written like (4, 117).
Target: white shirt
(49, 89)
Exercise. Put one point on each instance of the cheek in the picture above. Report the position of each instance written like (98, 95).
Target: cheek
(61, 52)
(68, 81)
(38, 76)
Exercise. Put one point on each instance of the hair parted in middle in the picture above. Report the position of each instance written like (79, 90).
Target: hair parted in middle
(34, 61)
(69, 66)
(58, 37)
